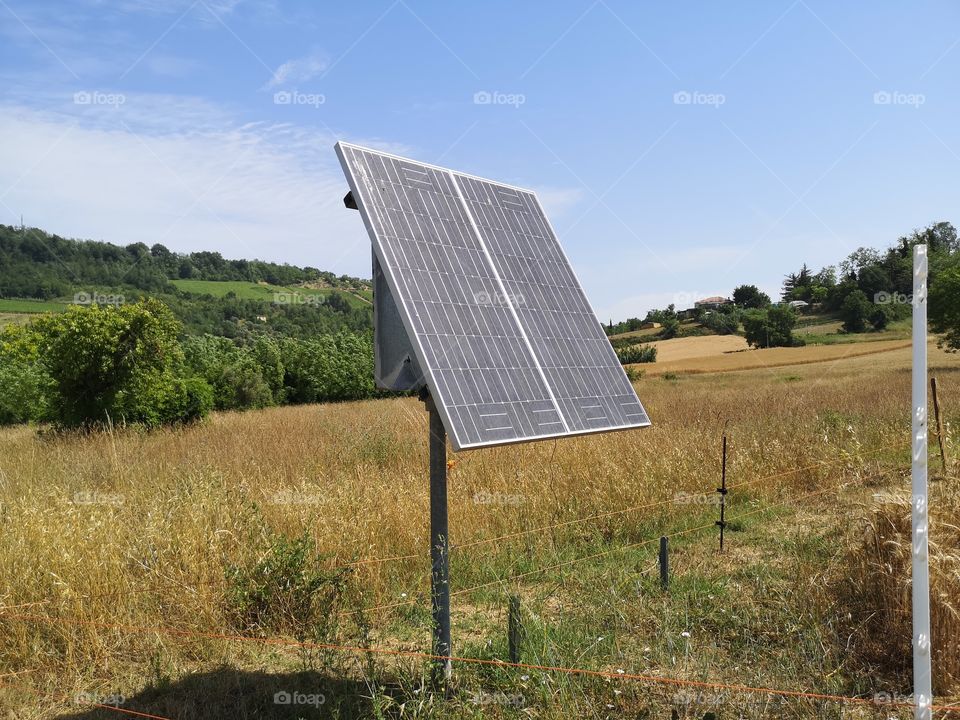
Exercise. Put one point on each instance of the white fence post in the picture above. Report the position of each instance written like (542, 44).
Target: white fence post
(922, 675)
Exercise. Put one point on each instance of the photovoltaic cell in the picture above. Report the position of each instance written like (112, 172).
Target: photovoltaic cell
(510, 346)
(579, 363)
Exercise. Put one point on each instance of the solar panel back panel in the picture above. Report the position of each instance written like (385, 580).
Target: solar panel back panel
(511, 349)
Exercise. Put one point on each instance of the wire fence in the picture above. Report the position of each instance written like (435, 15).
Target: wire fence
(12, 612)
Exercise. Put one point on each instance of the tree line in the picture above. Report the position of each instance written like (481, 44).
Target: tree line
(869, 290)
(41, 265)
(94, 366)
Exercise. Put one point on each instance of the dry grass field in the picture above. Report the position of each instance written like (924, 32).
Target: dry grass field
(178, 570)
(698, 347)
(728, 353)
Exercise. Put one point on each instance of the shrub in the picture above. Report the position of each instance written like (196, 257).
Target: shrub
(285, 589)
(670, 329)
(24, 385)
(332, 367)
(191, 400)
(637, 354)
(236, 373)
(722, 323)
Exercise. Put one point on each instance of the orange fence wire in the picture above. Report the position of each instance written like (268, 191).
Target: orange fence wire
(613, 675)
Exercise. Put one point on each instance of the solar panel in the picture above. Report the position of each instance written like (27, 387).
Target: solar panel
(502, 330)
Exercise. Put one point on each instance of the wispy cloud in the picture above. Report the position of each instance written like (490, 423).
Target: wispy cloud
(298, 70)
(200, 181)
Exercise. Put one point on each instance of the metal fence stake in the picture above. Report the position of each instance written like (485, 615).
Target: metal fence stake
(664, 562)
(722, 523)
(514, 629)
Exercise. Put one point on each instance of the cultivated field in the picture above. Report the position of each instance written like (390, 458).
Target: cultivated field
(166, 568)
(727, 353)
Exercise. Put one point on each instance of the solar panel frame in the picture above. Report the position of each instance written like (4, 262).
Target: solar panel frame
(457, 426)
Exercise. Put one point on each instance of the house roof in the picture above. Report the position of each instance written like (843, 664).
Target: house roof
(714, 299)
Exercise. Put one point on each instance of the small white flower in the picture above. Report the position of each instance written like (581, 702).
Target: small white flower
(620, 671)
(403, 595)
(684, 634)
(524, 677)
(646, 649)
(616, 692)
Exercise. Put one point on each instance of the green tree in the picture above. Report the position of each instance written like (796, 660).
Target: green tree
(117, 364)
(671, 327)
(944, 306)
(750, 296)
(856, 311)
(772, 327)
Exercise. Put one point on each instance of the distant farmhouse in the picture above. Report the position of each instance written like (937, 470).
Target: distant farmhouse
(712, 303)
(704, 306)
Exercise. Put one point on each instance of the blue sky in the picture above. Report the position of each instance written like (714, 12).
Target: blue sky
(680, 148)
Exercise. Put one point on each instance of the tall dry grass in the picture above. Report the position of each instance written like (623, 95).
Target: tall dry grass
(141, 528)
(877, 590)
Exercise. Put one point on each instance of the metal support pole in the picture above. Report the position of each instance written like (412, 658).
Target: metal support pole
(723, 492)
(922, 680)
(439, 549)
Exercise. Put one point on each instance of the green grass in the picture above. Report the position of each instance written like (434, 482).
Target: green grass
(15, 305)
(898, 330)
(265, 292)
(221, 288)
